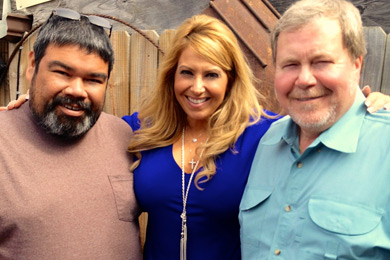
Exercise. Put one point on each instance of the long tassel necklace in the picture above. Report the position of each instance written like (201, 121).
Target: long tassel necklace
(183, 240)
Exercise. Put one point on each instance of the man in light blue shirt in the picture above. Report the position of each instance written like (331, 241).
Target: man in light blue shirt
(318, 188)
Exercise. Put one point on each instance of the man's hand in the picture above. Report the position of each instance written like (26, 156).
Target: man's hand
(376, 100)
(16, 103)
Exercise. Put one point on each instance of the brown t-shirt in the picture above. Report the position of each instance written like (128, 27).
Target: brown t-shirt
(66, 199)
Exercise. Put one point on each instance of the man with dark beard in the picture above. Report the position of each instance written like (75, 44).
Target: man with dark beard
(65, 188)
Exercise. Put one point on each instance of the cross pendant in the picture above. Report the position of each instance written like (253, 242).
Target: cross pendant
(192, 162)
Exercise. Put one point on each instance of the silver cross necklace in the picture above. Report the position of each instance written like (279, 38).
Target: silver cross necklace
(183, 239)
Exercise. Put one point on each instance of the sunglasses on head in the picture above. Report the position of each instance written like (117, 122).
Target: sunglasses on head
(93, 19)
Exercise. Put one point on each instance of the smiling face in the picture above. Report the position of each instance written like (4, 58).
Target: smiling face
(315, 77)
(67, 91)
(199, 85)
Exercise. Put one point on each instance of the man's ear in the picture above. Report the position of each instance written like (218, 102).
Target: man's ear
(31, 66)
(359, 67)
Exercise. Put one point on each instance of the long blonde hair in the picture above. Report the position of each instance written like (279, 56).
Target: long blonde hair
(162, 119)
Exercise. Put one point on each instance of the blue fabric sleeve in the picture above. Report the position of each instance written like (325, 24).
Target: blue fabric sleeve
(133, 121)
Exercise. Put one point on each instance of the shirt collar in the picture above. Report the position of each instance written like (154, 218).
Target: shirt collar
(342, 136)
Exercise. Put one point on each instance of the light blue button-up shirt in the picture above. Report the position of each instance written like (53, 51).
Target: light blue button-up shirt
(331, 202)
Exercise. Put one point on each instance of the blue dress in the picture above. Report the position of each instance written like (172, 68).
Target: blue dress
(212, 214)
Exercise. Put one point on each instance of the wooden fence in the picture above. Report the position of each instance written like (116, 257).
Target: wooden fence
(376, 70)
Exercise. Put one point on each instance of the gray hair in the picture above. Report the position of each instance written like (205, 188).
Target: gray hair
(305, 11)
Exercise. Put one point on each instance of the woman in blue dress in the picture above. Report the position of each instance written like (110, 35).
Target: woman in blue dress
(195, 139)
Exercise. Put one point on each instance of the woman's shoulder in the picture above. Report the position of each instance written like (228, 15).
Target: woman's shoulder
(258, 129)
(266, 120)
(132, 120)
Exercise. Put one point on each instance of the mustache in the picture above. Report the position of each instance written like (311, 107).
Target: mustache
(73, 102)
(308, 93)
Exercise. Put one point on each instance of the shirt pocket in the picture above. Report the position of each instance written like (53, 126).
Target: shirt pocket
(254, 197)
(343, 218)
(126, 204)
(252, 220)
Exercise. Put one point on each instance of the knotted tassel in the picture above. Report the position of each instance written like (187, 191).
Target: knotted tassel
(183, 239)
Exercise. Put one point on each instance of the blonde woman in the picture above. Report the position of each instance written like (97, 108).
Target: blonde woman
(195, 138)
(198, 134)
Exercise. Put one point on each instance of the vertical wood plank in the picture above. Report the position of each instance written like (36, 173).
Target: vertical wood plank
(27, 46)
(118, 89)
(4, 85)
(143, 67)
(165, 42)
(373, 62)
(12, 71)
(385, 88)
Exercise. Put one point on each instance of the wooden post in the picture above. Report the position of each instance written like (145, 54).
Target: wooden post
(385, 88)
(118, 89)
(143, 67)
(373, 62)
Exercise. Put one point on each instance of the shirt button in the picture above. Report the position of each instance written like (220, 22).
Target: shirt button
(277, 251)
(299, 165)
(288, 208)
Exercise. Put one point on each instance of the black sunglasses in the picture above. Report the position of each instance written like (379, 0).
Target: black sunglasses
(93, 19)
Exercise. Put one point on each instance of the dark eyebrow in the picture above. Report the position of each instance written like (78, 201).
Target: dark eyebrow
(55, 63)
(95, 75)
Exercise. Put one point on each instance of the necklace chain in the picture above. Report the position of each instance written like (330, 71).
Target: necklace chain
(185, 191)
(195, 139)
